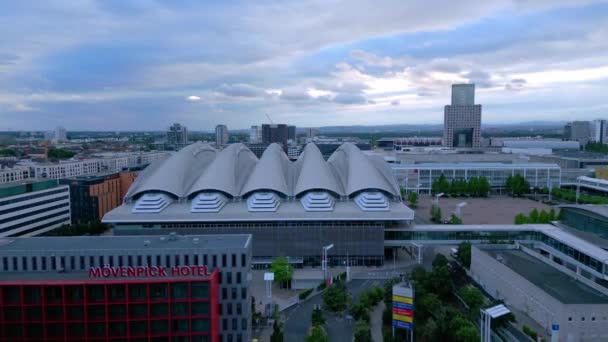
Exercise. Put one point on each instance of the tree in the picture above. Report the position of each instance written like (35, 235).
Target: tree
(317, 334)
(472, 297)
(360, 311)
(521, 219)
(283, 271)
(440, 261)
(58, 153)
(455, 219)
(426, 304)
(552, 216)
(317, 317)
(362, 332)
(484, 187)
(464, 253)
(7, 152)
(413, 199)
(335, 298)
(543, 217)
(517, 185)
(534, 216)
(428, 331)
(436, 214)
(467, 333)
(277, 332)
(441, 185)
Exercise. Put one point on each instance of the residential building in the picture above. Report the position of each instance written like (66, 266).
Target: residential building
(311, 133)
(221, 135)
(579, 131)
(420, 177)
(66, 169)
(177, 136)
(33, 207)
(291, 133)
(462, 119)
(272, 133)
(533, 143)
(293, 151)
(290, 208)
(14, 174)
(255, 134)
(543, 289)
(94, 196)
(150, 157)
(599, 131)
(129, 288)
(399, 144)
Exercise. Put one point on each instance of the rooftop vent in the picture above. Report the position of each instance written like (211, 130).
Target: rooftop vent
(208, 202)
(263, 201)
(151, 203)
(317, 201)
(372, 201)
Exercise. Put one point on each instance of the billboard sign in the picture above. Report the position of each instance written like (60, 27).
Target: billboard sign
(403, 307)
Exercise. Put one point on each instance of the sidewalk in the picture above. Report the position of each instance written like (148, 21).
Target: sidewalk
(376, 322)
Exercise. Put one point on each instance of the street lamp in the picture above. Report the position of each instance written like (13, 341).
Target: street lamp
(486, 320)
(436, 202)
(324, 261)
(458, 207)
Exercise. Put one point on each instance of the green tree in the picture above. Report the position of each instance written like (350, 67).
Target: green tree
(283, 271)
(534, 216)
(428, 331)
(413, 199)
(335, 298)
(543, 217)
(455, 219)
(467, 333)
(58, 153)
(473, 186)
(440, 261)
(484, 187)
(317, 317)
(317, 334)
(521, 219)
(426, 304)
(7, 153)
(517, 185)
(360, 311)
(441, 185)
(472, 297)
(277, 332)
(464, 253)
(362, 332)
(436, 215)
(552, 216)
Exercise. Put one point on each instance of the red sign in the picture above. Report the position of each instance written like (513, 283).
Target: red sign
(148, 271)
(403, 312)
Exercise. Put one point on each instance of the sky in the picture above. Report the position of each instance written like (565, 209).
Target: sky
(144, 64)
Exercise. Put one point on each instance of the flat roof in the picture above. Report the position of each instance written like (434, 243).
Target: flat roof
(598, 209)
(555, 283)
(111, 242)
(289, 210)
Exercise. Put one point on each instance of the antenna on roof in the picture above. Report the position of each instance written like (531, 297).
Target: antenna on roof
(268, 116)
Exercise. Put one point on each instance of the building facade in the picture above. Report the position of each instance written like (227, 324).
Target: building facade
(94, 196)
(14, 174)
(291, 133)
(599, 131)
(255, 134)
(290, 208)
(173, 288)
(177, 136)
(580, 131)
(272, 133)
(462, 119)
(66, 169)
(33, 207)
(221, 135)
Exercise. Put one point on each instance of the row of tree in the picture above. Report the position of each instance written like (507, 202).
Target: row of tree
(474, 186)
(59, 153)
(437, 217)
(517, 185)
(596, 147)
(570, 196)
(536, 216)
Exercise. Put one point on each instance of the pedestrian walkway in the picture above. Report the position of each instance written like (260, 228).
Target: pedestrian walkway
(375, 322)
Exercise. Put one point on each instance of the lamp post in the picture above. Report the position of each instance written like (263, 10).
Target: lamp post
(458, 208)
(436, 201)
(324, 261)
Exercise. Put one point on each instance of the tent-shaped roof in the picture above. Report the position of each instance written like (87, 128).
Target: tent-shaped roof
(272, 172)
(312, 172)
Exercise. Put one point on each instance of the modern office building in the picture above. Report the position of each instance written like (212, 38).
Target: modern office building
(531, 284)
(290, 208)
(60, 135)
(33, 207)
(255, 135)
(399, 144)
(221, 135)
(579, 131)
(291, 133)
(94, 196)
(420, 177)
(599, 131)
(272, 133)
(135, 288)
(589, 220)
(462, 119)
(177, 136)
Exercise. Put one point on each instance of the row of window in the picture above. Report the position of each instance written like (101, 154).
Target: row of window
(35, 212)
(76, 294)
(35, 204)
(62, 220)
(82, 263)
(40, 219)
(329, 224)
(34, 196)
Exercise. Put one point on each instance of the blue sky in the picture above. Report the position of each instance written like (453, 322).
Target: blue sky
(141, 65)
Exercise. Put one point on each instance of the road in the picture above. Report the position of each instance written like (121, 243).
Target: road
(339, 329)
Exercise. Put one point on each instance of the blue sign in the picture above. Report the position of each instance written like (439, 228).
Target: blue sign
(402, 325)
(555, 327)
(403, 306)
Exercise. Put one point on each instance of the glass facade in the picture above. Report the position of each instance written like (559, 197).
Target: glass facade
(586, 221)
(173, 310)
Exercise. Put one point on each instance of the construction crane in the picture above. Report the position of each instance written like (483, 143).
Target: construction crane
(268, 116)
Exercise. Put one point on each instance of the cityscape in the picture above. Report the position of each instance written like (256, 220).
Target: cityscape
(409, 201)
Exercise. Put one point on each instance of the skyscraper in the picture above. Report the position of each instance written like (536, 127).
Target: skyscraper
(60, 135)
(255, 134)
(221, 135)
(291, 133)
(599, 131)
(580, 131)
(177, 136)
(462, 119)
(275, 133)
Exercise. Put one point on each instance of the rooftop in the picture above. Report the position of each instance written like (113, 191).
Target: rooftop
(555, 283)
(476, 166)
(25, 186)
(79, 243)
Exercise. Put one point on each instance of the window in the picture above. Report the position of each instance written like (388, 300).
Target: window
(159, 310)
(167, 260)
(75, 312)
(158, 291)
(223, 260)
(200, 309)
(117, 292)
(200, 290)
(149, 260)
(138, 310)
(243, 260)
(176, 260)
(234, 293)
(158, 258)
(159, 326)
(137, 292)
(214, 261)
(96, 312)
(74, 294)
(583, 319)
(205, 261)
(179, 309)
(234, 325)
(239, 309)
(43, 267)
(53, 294)
(32, 294)
(233, 260)
(179, 290)
(96, 293)
(81, 262)
(186, 259)
(593, 319)
(139, 260)
(243, 293)
(92, 261)
(200, 325)
(15, 268)
(224, 293)
(229, 277)
(111, 260)
(180, 325)
(196, 259)
(238, 278)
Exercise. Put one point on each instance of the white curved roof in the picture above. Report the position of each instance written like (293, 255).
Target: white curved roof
(236, 172)
(176, 174)
(272, 172)
(358, 172)
(228, 172)
(312, 172)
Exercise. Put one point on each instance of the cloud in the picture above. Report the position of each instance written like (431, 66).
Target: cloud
(347, 98)
(372, 59)
(297, 95)
(395, 103)
(20, 107)
(518, 80)
(193, 98)
(372, 102)
(241, 90)
(481, 79)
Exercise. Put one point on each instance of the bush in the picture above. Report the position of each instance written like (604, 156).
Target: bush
(322, 285)
(528, 331)
(335, 298)
(304, 294)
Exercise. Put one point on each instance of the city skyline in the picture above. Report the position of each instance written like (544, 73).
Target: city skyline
(105, 66)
